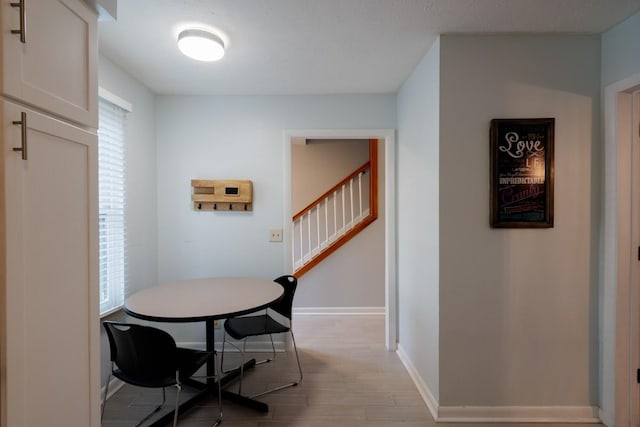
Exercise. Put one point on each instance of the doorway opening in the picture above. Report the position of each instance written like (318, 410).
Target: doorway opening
(334, 195)
(387, 138)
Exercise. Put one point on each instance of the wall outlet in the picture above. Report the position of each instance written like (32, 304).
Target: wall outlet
(217, 324)
(275, 235)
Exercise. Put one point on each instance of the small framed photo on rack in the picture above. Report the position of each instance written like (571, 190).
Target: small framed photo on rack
(522, 173)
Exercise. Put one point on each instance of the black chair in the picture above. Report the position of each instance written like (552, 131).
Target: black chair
(240, 328)
(148, 357)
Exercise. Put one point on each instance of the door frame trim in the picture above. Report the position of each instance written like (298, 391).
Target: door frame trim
(620, 298)
(388, 137)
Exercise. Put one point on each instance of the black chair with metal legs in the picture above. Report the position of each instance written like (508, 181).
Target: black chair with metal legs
(148, 357)
(240, 328)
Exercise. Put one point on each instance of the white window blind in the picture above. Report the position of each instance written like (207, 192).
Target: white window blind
(112, 205)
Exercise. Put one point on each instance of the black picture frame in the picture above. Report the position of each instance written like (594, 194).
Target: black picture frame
(522, 173)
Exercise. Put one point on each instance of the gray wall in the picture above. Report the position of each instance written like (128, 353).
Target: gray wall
(518, 307)
(621, 51)
(512, 314)
(418, 217)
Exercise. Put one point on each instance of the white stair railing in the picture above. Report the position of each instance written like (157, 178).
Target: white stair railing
(330, 217)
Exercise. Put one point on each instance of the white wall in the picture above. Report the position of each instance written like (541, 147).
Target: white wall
(242, 137)
(518, 307)
(418, 221)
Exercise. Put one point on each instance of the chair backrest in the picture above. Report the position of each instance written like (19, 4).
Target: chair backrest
(142, 351)
(284, 305)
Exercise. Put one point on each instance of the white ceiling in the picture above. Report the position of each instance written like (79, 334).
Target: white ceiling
(321, 46)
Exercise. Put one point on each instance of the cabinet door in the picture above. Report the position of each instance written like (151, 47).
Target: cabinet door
(50, 334)
(55, 67)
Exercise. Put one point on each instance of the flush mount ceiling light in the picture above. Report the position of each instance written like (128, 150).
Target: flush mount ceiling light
(201, 45)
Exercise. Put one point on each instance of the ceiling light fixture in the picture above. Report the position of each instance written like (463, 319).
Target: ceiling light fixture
(200, 45)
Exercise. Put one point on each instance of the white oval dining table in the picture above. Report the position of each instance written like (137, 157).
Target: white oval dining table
(206, 300)
(203, 299)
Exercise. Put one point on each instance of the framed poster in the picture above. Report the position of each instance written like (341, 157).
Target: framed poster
(522, 173)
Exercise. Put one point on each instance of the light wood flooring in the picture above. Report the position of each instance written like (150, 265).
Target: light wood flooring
(350, 380)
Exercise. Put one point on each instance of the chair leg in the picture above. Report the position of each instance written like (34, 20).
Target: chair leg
(224, 341)
(273, 352)
(258, 362)
(295, 348)
(243, 352)
(164, 399)
(175, 412)
(106, 393)
(273, 356)
(104, 403)
(218, 376)
(293, 384)
(240, 366)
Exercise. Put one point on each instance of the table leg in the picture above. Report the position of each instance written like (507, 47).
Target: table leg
(210, 343)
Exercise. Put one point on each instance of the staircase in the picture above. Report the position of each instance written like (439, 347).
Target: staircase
(337, 216)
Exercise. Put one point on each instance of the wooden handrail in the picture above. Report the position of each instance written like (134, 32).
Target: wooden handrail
(334, 247)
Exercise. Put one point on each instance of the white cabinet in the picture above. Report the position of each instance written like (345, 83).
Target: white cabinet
(55, 67)
(49, 309)
(51, 295)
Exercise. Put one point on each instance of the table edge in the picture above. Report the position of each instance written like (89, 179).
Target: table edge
(198, 318)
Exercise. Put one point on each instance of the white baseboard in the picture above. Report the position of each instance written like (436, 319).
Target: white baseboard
(518, 414)
(423, 389)
(338, 311)
(497, 414)
(607, 417)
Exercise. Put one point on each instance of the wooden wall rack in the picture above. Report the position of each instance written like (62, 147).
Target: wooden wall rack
(222, 195)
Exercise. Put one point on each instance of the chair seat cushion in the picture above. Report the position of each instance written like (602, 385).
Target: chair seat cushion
(242, 327)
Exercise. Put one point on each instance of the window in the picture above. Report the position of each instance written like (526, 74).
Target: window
(112, 201)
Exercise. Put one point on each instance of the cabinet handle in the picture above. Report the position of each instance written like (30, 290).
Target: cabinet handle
(23, 125)
(21, 31)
